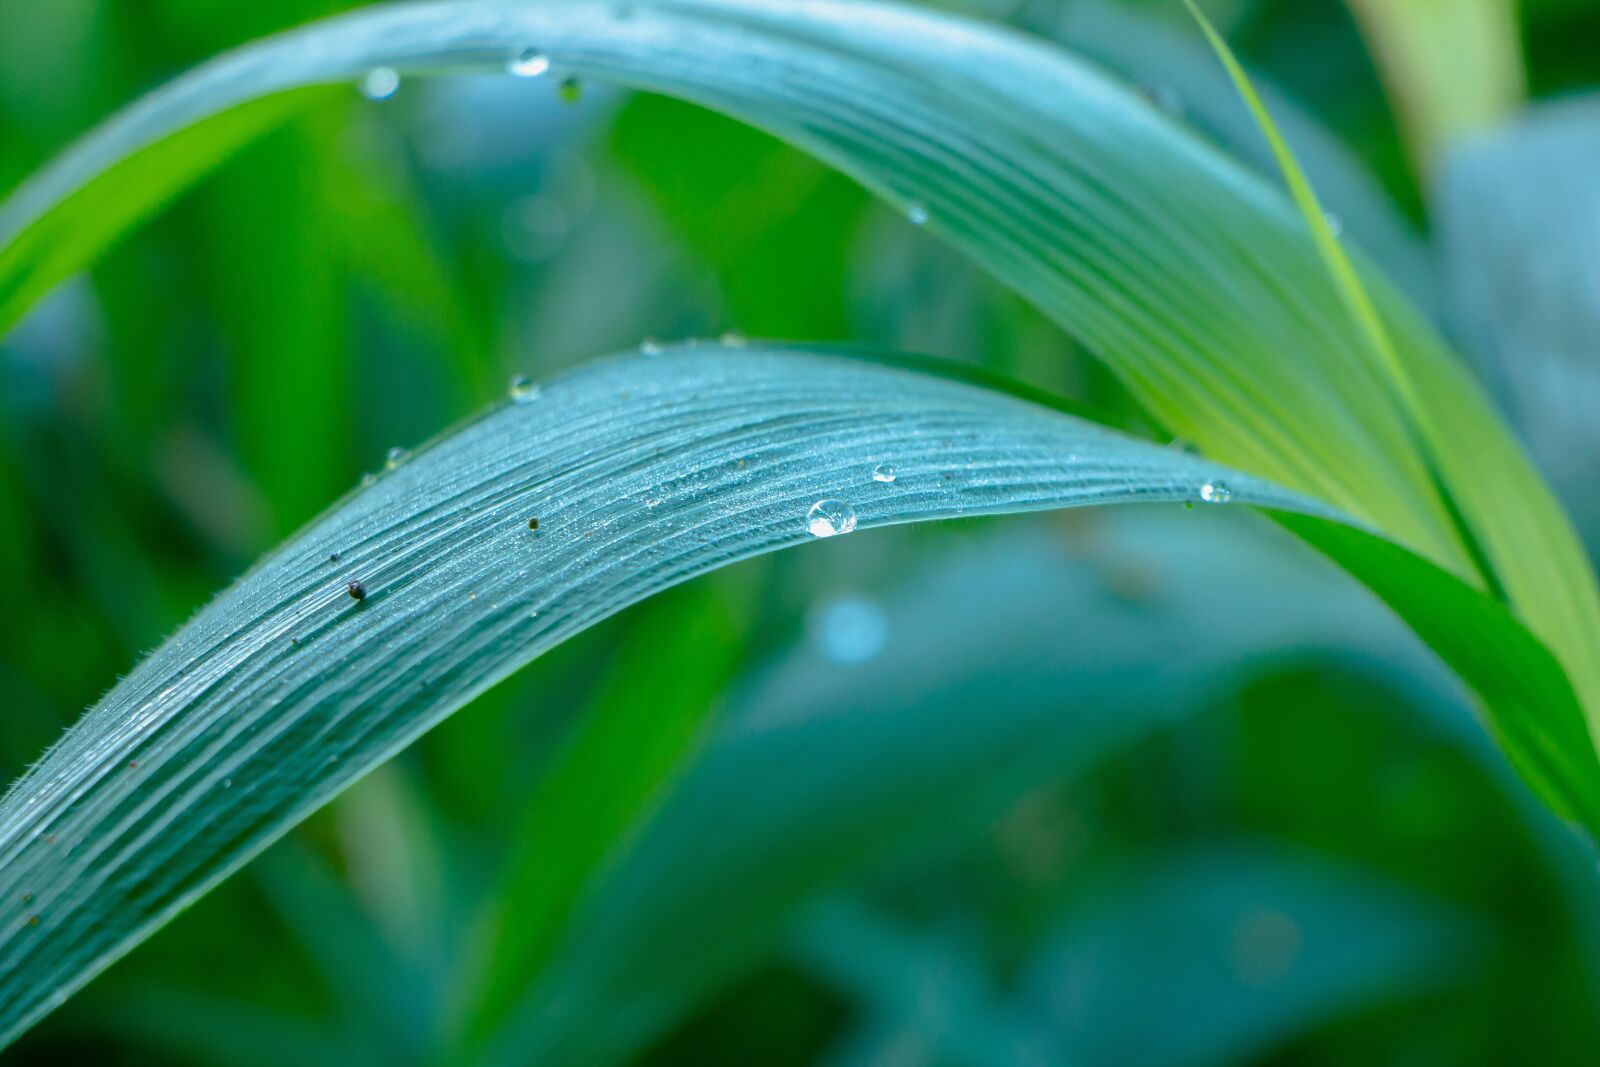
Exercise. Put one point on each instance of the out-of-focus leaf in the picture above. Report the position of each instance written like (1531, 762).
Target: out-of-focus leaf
(1452, 67)
(1215, 955)
(1519, 216)
(60, 239)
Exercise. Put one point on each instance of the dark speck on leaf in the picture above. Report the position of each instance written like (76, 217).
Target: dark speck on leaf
(333, 557)
(533, 524)
(357, 590)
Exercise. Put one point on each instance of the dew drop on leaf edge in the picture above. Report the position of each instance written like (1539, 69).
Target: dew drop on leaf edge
(830, 517)
(394, 457)
(529, 63)
(522, 389)
(1216, 493)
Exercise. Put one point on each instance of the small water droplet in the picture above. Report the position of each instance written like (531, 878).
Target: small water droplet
(570, 90)
(652, 502)
(367, 478)
(917, 213)
(650, 347)
(530, 63)
(884, 472)
(380, 83)
(394, 457)
(734, 339)
(523, 389)
(828, 518)
(1163, 97)
(1335, 223)
(534, 614)
(227, 783)
(1215, 493)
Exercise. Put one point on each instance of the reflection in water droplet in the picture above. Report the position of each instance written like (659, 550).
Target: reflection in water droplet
(830, 517)
(522, 389)
(530, 63)
(848, 630)
(883, 472)
(1215, 493)
(381, 83)
(570, 90)
(394, 457)
(917, 213)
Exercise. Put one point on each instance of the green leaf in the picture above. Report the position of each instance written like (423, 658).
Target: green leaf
(117, 192)
(640, 473)
(1519, 217)
(1452, 67)
(823, 770)
(1190, 277)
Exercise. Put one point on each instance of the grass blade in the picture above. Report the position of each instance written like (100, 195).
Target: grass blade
(1189, 276)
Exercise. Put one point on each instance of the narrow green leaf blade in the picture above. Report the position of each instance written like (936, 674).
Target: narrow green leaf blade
(1190, 277)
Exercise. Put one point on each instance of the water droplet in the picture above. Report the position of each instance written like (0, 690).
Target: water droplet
(523, 389)
(850, 629)
(1163, 97)
(394, 457)
(570, 90)
(367, 478)
(650, 347)
(828, 518)
(227, 783)
(530, 63)
(1215, 493)
(1335, 223)
(380, 83)
(884, 472)
(534, 614)
(917, 213)
(734, 339)
(652, 502)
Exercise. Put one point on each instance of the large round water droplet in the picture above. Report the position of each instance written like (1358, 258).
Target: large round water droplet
(1215, 493)
(380, 83)
(530, 63)
(522, 389)
(828, 518)
(394, 457)
(884, 472)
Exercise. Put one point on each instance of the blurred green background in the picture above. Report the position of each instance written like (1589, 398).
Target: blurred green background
(1121, 788)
